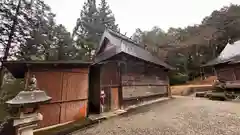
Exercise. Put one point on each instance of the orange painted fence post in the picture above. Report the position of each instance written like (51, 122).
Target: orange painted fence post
(82, 112)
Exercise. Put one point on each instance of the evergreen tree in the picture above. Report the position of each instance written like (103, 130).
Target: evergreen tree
(106, 16)
(35, 34)
(86, 30)
(12, 30)
(23, 27)
(40, 22)
(62, 46)
(90, 27)
(86, 26)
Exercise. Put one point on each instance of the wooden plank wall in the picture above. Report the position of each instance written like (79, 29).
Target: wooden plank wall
(74, 86)
(109, 75)
(74, 95)
(141, 79)
(228, 72)
(51, 114)
(237, 72)
(131, 92)
(70, 111)
(50, 82)
(69, 92)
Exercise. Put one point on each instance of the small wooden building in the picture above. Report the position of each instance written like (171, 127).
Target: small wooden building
(65, 81)
(227, 64)
(127, 72)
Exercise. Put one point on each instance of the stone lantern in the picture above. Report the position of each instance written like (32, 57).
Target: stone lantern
(26, 104)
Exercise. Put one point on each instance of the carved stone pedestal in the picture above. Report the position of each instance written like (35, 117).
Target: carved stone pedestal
(27, 122)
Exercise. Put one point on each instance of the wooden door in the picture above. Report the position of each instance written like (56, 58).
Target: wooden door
(114, 99)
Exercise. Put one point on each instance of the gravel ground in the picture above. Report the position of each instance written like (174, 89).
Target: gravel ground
(180, 116)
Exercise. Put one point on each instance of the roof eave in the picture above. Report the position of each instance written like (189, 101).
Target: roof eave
(19, 68)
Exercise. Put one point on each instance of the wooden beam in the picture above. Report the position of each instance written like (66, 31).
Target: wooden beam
(61, 92)
(120, 95)
(66, 101)
(26, 78)
(110, 85)
(169, 88)
(145, 84)
(215, 71)
(141, 97)
(234, 75)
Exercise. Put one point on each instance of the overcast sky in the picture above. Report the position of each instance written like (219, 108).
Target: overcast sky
(144, 14)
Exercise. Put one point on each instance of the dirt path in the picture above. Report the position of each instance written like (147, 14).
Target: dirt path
(181, 116)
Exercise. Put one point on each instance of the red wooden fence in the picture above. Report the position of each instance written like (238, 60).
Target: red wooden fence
(69, 92)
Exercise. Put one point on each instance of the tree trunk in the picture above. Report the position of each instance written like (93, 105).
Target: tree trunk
(7, 48)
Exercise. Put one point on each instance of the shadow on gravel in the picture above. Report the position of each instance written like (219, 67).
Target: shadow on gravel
(144, 109)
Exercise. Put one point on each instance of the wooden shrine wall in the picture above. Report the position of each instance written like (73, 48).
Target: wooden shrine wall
(141, 79)
(228, 72)
(69, 91)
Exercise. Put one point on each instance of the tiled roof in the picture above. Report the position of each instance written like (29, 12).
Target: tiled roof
(126, 45)
(230, 55)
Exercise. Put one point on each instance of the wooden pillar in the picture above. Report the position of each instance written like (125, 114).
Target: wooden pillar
(203, 73)
(120, 95)
(215, 72)
(169, 87)
(234, 75)
(26, 77)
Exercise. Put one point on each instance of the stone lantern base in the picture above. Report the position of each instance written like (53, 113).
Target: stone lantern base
(27, 122)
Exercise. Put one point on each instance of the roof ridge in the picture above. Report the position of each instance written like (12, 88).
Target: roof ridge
(124, 36)
(132, 41)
